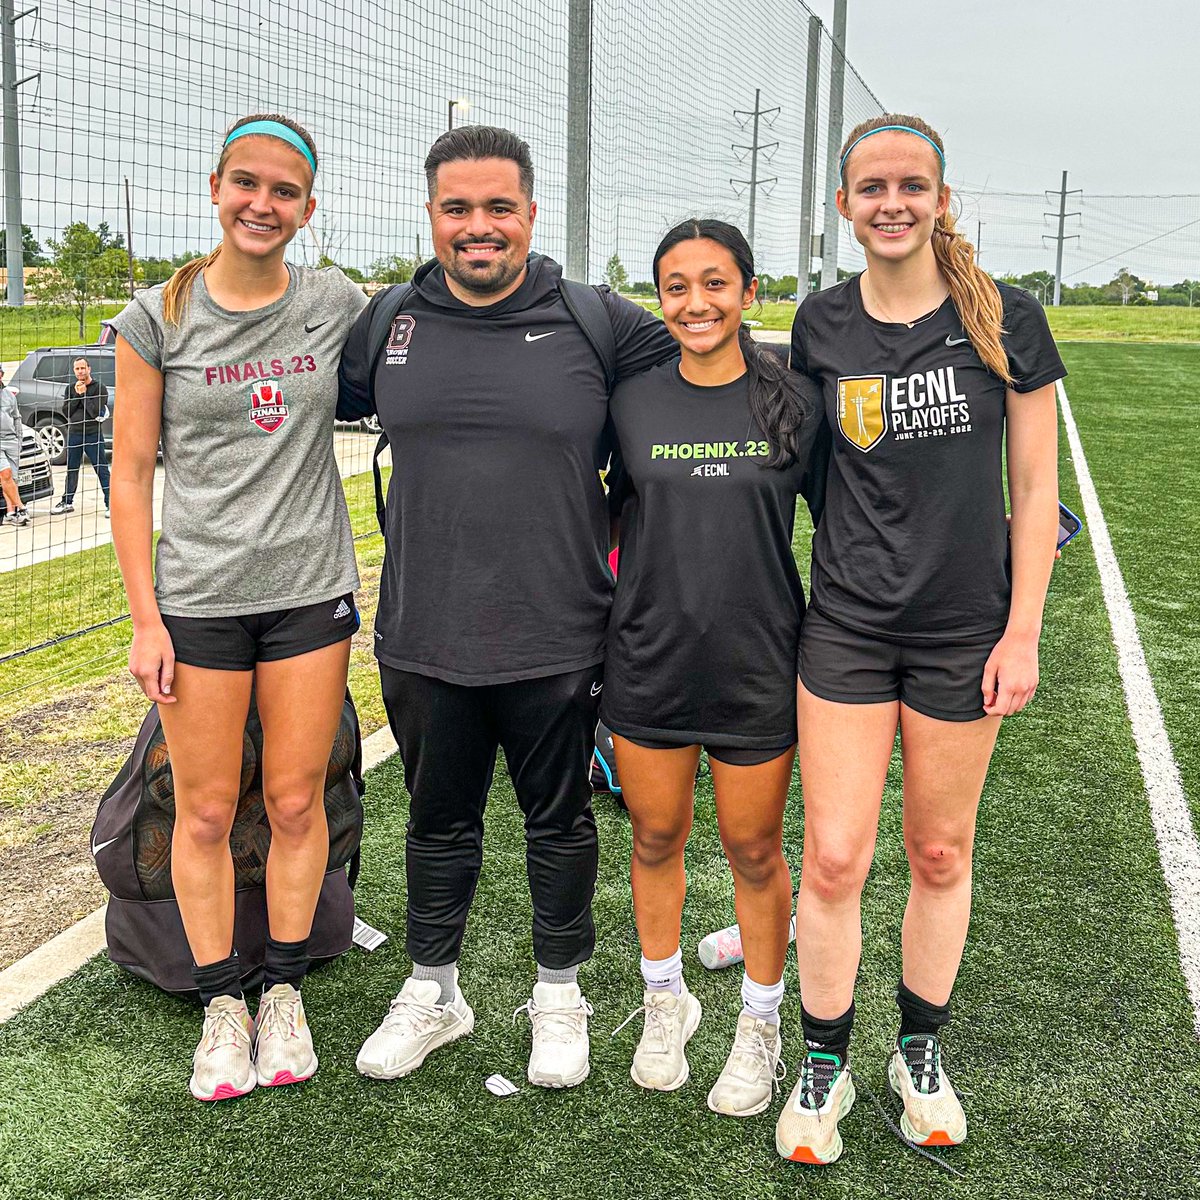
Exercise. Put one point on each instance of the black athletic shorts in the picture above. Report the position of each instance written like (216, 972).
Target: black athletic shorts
(732, 756)
(849, 667)
(237, 643)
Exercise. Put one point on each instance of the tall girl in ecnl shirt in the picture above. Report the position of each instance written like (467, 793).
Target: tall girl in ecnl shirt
(234, 363)
(701, 648)
(923, 617)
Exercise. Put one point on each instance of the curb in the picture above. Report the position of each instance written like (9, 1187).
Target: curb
(63, 955)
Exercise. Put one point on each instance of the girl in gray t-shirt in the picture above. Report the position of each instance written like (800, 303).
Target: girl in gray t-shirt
(233, 364)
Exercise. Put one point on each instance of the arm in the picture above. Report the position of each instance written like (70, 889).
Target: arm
(135, 452)
(1011, 674)
(642, 339)
(354, 371)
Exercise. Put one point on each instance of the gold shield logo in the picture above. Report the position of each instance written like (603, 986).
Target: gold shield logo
(861, 415)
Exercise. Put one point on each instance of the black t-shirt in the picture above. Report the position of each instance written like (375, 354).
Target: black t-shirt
(83, 409)
(913, 544)
(497, 527)
(702, 640)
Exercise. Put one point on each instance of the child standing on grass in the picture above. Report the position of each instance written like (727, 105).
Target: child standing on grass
(234, 362)
(702, 641)
(924, 617)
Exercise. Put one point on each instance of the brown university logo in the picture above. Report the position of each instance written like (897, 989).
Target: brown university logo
(861, 415)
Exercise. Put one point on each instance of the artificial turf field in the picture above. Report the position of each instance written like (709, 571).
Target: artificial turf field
(1073, 1040)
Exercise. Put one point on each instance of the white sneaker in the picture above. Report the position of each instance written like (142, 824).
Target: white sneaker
(284, 1051)
(933, 1113)
(659, 1063)
(559, 1016)
(415, 1024)
(752, 1071)
(807, 1129)
(222, 1066)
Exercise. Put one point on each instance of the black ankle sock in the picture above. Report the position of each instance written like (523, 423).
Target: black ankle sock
(828, 1037)
(919, 1016)
(222, 978)
(285, 962)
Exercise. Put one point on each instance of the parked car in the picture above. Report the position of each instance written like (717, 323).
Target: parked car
(34, 477)
(40, 382)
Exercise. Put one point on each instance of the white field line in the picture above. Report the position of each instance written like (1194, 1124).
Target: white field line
(1178, 850)
(63, 955)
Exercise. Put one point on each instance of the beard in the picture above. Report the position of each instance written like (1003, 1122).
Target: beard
(482, 279)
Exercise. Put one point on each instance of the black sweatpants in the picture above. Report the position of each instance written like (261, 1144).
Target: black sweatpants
(448, 735)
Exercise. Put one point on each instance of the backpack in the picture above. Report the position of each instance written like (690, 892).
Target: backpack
(584, 302)
(131, 843)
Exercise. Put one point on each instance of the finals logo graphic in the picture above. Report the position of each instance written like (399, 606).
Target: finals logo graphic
(860, 412)
(267, 408)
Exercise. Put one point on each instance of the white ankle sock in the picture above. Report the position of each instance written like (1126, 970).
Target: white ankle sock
(663, 974)
(761, 1000)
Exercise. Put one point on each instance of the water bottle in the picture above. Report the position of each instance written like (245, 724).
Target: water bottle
(724, 948)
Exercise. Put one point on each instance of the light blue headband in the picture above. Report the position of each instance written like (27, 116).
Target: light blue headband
(898, 129)
(275, 129)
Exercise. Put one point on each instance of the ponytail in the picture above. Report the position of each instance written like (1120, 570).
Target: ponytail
(178, 289)
(776, 401)
(974, 293)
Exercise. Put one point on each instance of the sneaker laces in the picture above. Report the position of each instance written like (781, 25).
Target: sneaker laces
(922, 1055)
(750, 1050)
(411, 1018)
(555, 1024)
(899, 1133)
(658, 1026)
(222, 1028)
(279, 1015)
(818, 1074)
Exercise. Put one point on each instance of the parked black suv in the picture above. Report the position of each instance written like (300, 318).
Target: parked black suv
(40, 383)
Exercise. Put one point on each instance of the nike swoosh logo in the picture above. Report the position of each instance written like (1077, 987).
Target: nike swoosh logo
(537, 337)
(98, 846)
(313, 328)
(955, 341)
(596, 687)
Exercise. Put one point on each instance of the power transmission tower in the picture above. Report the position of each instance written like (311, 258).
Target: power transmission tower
(1062, 236)
(754, 150)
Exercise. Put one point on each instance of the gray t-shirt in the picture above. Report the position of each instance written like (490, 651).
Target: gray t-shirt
(254, 517)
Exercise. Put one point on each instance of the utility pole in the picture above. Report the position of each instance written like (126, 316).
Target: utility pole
(754, 183)
(129, 235)
(1062, 215)
(833, 142)
(579, 137)
(14, 235)
(808, 182)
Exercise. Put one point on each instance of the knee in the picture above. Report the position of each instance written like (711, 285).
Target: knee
(293, 807)
(656, 847)
(754, 861)
(938, 864)
(834, 873)
(205, 820)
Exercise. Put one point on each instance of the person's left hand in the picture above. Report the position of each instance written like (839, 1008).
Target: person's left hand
(1010, 676)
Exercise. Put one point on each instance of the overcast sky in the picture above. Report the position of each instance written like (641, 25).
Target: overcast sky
(1022, 90)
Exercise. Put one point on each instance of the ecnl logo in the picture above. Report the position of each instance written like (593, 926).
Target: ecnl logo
(267, 408)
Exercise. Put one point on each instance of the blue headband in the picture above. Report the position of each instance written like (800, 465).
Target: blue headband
(275, 129)
(898, 129)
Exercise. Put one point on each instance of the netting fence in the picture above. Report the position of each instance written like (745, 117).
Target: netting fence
(120, 108)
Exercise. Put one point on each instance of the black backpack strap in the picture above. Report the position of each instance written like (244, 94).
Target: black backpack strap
(589, 311)
(387, 304)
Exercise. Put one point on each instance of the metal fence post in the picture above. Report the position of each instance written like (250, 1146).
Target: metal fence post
(12, 160)
(579, 136)
(808, 182)
(833, 142)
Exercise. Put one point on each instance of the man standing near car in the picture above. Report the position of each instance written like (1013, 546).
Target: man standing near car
(85, 406)
(495, 590)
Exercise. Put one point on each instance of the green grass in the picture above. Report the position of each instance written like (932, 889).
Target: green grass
(1136, 411)
(35, 325)
(1072, 1040)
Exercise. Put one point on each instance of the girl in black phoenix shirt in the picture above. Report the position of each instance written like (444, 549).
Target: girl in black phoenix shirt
(702, 639)
(922, 616)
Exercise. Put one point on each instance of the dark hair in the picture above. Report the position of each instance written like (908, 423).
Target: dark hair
(777, 402)
(472, 142)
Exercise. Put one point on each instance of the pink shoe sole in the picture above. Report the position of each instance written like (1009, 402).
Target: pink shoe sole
(282, 1077)
(226, 1091)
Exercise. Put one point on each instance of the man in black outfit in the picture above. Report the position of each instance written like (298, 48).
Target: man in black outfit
(86, 403)
(495, 589)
